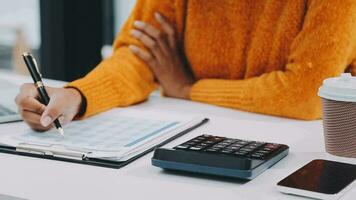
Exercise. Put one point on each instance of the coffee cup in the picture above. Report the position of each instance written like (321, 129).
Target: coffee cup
(338, 97)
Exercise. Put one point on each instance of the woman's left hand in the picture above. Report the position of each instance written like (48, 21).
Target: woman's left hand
(163, 57)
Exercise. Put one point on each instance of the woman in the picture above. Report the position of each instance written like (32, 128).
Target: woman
(264, 56)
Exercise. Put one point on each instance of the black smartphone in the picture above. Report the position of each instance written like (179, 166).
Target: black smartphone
(320, 179)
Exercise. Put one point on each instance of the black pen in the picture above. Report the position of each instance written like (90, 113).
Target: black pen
(37, 79)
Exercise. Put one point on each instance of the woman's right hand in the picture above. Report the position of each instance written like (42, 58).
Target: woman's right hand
(65, 104)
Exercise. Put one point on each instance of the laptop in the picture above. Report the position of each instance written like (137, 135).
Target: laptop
(7, 197)
(8, 108)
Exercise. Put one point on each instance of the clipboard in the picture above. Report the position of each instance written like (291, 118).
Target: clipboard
(82, 159)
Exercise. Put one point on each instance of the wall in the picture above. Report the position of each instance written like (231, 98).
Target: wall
(122, 11)
(23, 14)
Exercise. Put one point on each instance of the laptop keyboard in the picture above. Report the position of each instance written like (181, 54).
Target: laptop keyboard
(5, 111)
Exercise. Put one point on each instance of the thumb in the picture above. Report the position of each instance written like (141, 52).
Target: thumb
(51, 112)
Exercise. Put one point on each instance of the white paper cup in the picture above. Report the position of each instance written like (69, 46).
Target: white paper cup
(339, 115)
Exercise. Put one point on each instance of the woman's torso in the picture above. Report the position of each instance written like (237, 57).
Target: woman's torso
(240, 39)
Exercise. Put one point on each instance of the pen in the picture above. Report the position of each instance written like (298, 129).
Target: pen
(37, 79)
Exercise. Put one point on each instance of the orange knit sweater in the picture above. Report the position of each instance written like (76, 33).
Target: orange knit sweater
(264, 56)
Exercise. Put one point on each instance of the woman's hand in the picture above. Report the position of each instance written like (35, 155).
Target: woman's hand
(163, 57)
(65, 104)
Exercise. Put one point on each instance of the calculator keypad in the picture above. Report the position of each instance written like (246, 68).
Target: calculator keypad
(229, 146)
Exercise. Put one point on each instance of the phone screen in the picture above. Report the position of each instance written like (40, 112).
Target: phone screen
(321, 176)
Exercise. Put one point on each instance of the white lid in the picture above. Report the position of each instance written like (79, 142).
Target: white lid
(341, 88)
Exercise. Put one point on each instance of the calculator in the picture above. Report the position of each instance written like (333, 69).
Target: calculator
(221, 156)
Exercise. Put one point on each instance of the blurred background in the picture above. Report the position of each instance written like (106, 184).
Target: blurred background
(68, 37)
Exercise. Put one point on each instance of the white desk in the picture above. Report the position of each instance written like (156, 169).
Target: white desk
(35, 178)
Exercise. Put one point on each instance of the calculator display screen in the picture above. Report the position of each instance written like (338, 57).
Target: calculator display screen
(321, 176)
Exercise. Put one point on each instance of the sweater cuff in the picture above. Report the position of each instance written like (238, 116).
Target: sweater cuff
(83, 104)
(99, 93)
(221, 92)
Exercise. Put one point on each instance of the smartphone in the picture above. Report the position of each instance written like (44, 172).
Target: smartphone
(320, 179)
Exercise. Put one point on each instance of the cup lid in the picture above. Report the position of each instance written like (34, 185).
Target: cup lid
(341, 88)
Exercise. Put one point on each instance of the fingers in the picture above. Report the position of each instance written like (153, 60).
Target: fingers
(28, 89)
(157, 48)
(147, 28)
(33, 120)
(37, 122)
(157, 36)
(160, 43)
(145, 39)
(64, 105)
(39, 127)
(29, 104)
(52, 112)
(30, 108)
(26, 99)
(167, 28)
(30, 117)
(142, 54)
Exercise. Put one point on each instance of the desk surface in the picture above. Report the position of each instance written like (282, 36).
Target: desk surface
(34, 178)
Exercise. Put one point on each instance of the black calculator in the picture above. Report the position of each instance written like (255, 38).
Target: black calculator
(222, 156)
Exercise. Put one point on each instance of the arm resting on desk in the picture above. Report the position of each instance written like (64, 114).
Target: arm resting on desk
(324, 48)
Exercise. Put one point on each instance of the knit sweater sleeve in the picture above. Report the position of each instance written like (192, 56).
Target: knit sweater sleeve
(123, 79)
(324, 48)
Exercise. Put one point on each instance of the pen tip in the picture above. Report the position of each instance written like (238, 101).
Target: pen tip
(61, 131)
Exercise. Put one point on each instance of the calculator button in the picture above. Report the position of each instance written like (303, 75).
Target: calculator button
(272, 146)
(247, 149)
(209, 142)
(237, 145)
(227, 151)
(198, 139)
(204, 144)
(257, 155)
(225, 143)
(232, 148)
(267, 149)
(240, 153)
(182, 147)
(217, 139)
(242, 142)
(203, 137)
(250, 146)
(189, 143)
(219, 146)
(256, 144)
(213, 149)
(196, 148)
(230, 140)
(263, 152)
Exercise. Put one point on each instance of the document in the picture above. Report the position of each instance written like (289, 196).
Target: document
(118, 133)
